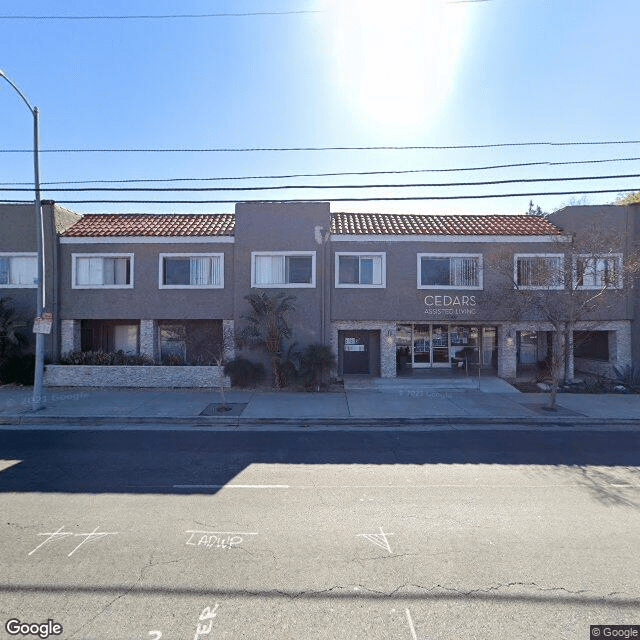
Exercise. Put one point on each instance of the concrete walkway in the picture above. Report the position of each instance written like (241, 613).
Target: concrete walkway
(411, 407)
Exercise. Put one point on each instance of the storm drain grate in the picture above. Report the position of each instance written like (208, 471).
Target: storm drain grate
(234, 409)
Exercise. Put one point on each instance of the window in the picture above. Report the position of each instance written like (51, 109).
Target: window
(195, 270)
(360, 270)
(541, 271)
(597, 271)
(19, 270)
(593, 345)
(108, 270)
(283, 269)
(110, 336)
(460, 271)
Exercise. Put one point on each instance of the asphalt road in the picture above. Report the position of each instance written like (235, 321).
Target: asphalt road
(158, 535)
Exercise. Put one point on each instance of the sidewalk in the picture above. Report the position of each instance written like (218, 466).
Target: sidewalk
(498, 407)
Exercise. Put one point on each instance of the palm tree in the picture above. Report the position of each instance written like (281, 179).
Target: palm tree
(315, 361)
(268, 326)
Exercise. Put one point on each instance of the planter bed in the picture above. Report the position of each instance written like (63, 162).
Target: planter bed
(70, 375)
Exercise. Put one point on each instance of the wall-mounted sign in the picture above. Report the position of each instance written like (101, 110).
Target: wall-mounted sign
(43, 324)
(353, 344)
(456, 305)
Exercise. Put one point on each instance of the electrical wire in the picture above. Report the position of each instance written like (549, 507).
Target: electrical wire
(336, 186)
(368, 148)
(380, 199)
(318, 175)
(167, 16)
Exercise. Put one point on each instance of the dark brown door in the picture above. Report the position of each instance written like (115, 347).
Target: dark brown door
(355, 352)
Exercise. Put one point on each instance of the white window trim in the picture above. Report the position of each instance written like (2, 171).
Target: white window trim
(450, 255)
(19, 254)
(294, 285)
(162, 256)
(74, 256)
(523, 287)
(618, 258)
(361, 254)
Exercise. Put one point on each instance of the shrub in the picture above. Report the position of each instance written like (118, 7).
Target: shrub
(629, 376)
(315, 360)
(103, 358)
(18, 368)
(243, 372)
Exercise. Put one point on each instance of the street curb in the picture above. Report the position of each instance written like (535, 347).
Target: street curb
(456, 423)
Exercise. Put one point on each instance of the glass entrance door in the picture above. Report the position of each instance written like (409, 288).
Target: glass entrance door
(421, 342)
(440, 345)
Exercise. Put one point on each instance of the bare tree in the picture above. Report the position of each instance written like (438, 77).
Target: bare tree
(577, 283)
(222, 350)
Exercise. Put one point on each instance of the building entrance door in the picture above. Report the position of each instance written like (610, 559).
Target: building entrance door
(440, 344)
(355, 352)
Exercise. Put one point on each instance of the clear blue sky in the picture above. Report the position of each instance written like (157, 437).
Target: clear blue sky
(347, 73)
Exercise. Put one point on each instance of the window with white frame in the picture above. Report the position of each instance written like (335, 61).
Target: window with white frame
(18, 270)
(192, 271)
(539, 271)
(106, 270)
(597, 271)
(442, 271)
(283, 269)
(361, 270)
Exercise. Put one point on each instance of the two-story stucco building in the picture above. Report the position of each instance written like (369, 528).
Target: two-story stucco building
(388, 292)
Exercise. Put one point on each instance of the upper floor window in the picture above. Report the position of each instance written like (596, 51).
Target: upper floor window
(597, 271)
(106, 270)
(441, 271)
(18, 270)
(360, 270)
(193, 271)
(283, 269)
(539, 271)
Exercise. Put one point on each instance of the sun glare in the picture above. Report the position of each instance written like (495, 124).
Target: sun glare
(396, 60)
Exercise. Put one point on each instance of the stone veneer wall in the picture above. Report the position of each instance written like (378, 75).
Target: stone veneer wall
(132, 376)
(387, 341)
(619, 346)
(69, 336)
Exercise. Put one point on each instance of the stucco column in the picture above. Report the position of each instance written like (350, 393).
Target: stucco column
(148, 340)
(620, 345)
(228, 337)
(70, 336)
(507, 352)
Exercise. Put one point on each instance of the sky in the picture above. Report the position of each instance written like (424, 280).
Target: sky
(292, 74)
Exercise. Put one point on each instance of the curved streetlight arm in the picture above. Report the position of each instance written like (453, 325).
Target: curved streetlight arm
(17, 90)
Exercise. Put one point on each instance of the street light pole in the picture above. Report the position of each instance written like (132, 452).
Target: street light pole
(38, 382)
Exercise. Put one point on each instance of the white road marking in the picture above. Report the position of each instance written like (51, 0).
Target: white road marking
(410, 621)
(88, 536)
(51, 535)
(379, 539)
(224, 533)
(231, 486)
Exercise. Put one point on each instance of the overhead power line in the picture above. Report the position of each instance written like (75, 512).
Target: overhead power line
(319, 175)
(367, 148)
(334, 186)
(379, 199)
(166, 16)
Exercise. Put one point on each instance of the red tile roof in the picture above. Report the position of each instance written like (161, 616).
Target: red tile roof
(222, 224)
(139, 224)
(440, 225)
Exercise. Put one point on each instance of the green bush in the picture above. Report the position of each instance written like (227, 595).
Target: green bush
(103, 358)
(243, 372)
(315, 360)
